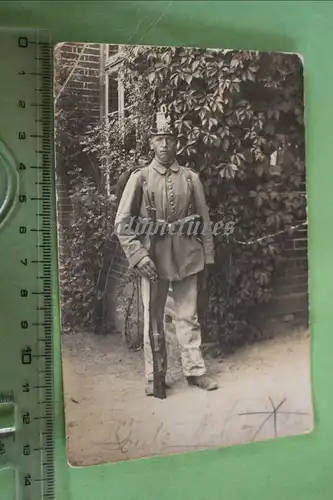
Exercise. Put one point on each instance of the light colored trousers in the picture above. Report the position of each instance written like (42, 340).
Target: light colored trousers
(188, 329)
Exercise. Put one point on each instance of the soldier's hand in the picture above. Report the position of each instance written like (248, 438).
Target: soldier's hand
(147, 268)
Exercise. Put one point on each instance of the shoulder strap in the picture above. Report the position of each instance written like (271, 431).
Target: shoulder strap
(191, 207)
(148, 199)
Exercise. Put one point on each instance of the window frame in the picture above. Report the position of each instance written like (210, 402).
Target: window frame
(111, 65)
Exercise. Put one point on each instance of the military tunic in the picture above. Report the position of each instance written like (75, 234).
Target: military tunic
(177, 255)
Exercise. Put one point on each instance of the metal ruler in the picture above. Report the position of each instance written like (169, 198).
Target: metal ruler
(27, 242)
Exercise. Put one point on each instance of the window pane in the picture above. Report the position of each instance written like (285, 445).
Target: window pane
(113, 49)
(126, 100)
(130, 137)
(113, 94)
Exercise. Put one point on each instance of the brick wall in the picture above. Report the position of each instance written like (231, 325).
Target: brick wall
(89, 67)
(88, 98)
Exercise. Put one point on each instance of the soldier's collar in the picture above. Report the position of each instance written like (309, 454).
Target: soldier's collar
(161, 169)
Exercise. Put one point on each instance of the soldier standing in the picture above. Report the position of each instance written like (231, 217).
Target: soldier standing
(179, 258)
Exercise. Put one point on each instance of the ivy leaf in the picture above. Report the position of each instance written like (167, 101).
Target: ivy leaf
(195, 64)
(151, 77)
(187, 124)
(273, 220)
(212, 122)
(274, 195)
(188, 78)
(225, 143)
(206, 139)
(202, 113)
(229, 171)
(250, 75)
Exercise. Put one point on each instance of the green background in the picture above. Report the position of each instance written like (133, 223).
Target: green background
(284, 468)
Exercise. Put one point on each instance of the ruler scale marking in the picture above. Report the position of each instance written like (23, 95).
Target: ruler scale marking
(29, 448)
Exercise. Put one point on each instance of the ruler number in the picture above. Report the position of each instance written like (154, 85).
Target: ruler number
(26, 418)
(24, 262)
(24, 325)
(26, 357)
(26, 449)
(23, 230)
(22, 198)
(27, 480)
(22, 166)
(23, 42)
(26, 387)
(24, 293)
(21, 104)
(22, 136)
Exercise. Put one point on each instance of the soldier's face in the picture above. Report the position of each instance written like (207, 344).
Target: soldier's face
(164, 147)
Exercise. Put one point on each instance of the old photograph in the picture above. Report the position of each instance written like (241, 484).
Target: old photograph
(182, 237)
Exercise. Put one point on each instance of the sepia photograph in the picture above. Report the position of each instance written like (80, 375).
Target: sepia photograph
(182, 241)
